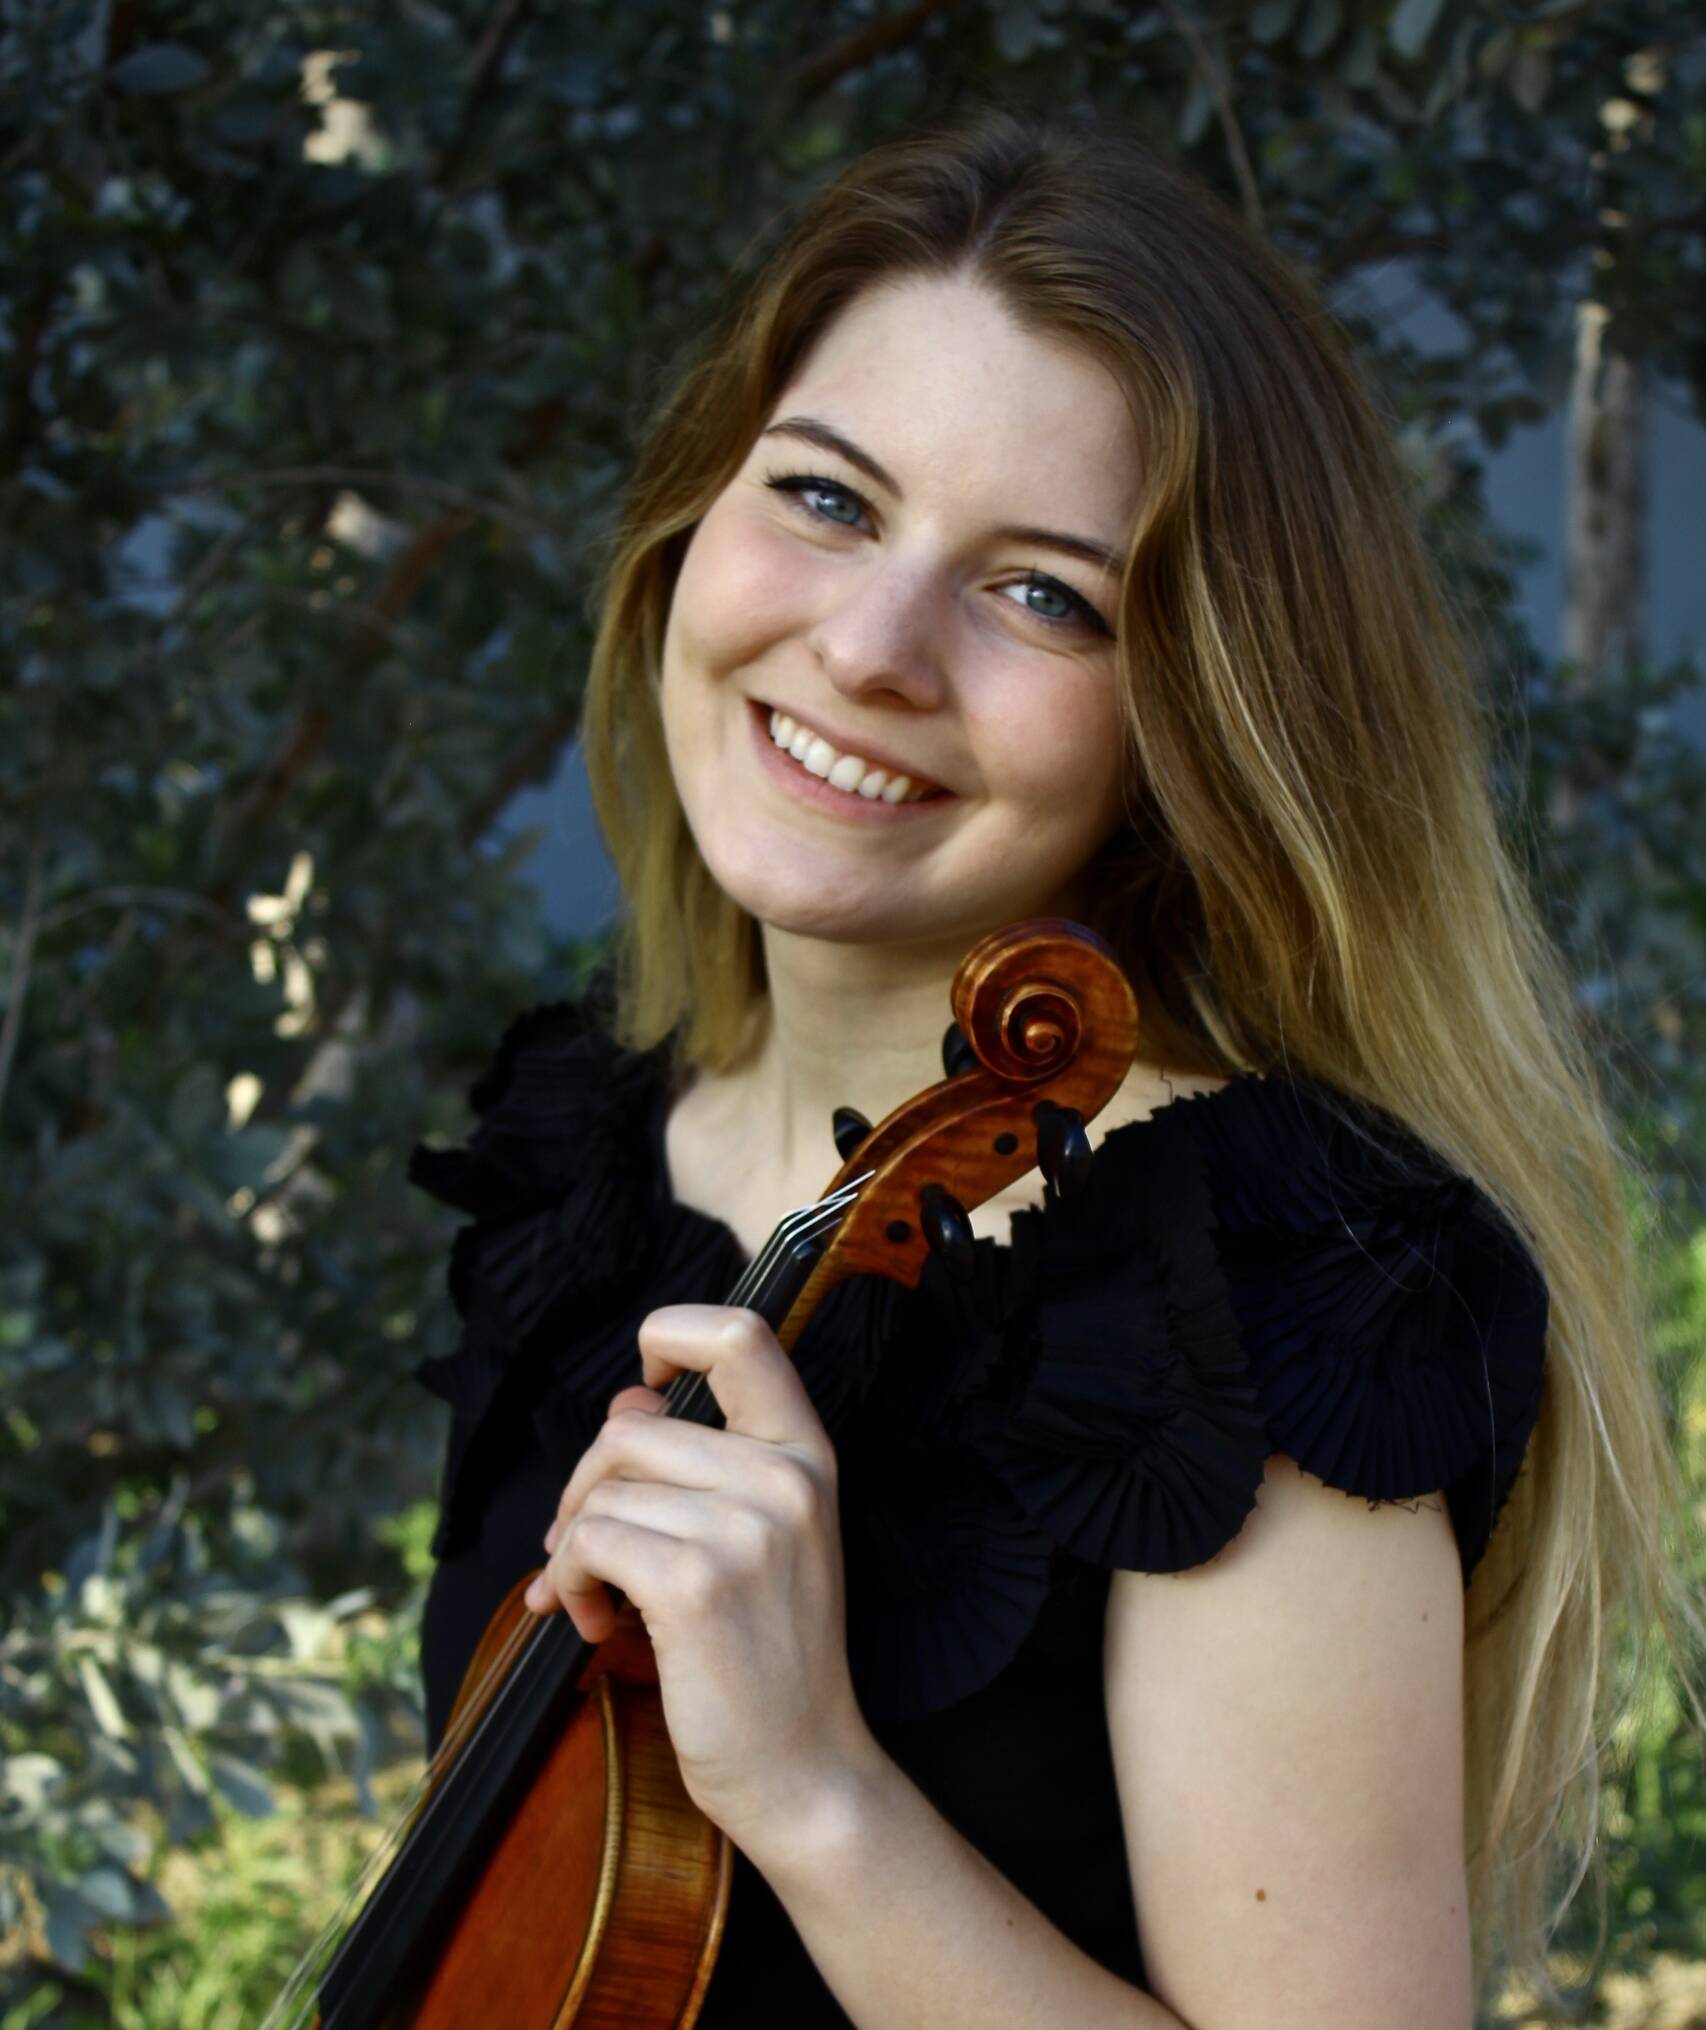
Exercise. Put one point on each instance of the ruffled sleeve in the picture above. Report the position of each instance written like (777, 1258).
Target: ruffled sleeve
(1261, 1269)
(556, 1181)
(1256, 1270)
(1394, 1325)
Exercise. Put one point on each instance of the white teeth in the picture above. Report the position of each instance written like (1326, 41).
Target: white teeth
(841, 771)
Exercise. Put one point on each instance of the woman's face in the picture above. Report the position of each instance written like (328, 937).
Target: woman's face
(903, 622)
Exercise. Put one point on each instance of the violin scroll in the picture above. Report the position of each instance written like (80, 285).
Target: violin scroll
(1044, 1031)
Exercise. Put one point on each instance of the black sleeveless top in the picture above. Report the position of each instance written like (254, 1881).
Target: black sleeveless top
(1263, 1268)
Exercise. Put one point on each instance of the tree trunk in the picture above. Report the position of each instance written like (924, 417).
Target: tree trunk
(1605, 560)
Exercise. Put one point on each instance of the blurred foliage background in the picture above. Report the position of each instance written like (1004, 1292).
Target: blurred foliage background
(324, 334)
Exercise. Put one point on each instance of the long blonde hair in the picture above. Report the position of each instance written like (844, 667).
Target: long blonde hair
(1313, 876)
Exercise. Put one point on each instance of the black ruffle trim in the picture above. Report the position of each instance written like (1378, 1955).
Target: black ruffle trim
(1394, 1325)
(1259, 1269)
(1116, 1405)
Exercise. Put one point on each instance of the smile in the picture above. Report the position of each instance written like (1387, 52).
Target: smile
(849, 773)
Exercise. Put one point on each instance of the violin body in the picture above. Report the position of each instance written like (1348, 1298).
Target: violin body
(603, 1905)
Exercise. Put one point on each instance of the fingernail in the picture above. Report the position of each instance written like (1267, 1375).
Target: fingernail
(536, 1596)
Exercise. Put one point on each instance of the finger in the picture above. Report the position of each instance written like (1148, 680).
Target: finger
(690, 1514)
(635, 1445)
(631, 1398)
(677, 1511)
(753, 1380)
(602, 1551)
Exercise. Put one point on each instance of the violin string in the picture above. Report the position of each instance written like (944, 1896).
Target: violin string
(477, 1711)
(693, 1385)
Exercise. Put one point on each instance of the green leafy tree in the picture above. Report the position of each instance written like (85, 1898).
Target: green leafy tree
(324, 334)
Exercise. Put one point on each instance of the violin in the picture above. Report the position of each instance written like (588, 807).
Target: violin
(551, 1869)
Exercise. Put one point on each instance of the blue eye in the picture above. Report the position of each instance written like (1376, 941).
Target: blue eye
(1079, 614)
(1050, 589)
(799, 484)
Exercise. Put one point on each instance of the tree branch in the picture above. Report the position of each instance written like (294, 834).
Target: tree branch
(306, 735)
(888, 32)
(131, 896)
(372, 478)
(1210, 72)
(483, 70)
(28, 925)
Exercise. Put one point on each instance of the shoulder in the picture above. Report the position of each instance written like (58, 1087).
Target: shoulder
(556, 1076)
(1265, 1268)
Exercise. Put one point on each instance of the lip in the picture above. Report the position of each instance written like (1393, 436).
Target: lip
(849, 806)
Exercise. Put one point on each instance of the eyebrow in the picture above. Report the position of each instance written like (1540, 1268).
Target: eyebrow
(828, 439)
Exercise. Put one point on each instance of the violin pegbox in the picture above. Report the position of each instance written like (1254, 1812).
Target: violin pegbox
(1044, 1031)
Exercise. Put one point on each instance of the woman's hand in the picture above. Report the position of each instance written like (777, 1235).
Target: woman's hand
(728, 1542)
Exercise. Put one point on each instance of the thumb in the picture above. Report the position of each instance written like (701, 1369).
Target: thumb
(636, 1397)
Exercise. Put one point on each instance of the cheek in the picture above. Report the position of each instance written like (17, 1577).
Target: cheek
(1063, 764)
(742, 584)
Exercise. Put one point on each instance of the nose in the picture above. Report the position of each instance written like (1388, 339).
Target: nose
(882, 637)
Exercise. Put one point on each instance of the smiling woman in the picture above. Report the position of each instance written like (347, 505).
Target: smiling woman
(1186, 1619)
(908, 636)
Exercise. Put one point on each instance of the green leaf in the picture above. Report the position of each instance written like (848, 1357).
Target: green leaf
(110, 1891)
(103, 1700)
(1321, 26)
(1271, 20)
(65, 1922)
(198, 1105)
(1019, 33)
(159, 67)
(241, 1785)
(1197, 111)
(29, 1780)
(1411, 24)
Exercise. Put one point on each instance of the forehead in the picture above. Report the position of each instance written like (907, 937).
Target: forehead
(936, 380)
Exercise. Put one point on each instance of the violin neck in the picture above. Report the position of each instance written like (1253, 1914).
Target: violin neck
(770, 1284)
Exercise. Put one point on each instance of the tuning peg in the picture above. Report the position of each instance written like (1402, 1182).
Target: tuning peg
(957, 1053)
(948, 1230)
(1063, 1148)
(850, 1129)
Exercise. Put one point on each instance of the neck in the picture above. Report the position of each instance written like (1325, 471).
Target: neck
(853, 1025)
(846, 1025)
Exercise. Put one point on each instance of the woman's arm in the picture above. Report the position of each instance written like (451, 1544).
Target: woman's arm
(914, 1930)
(1287, 1726)
(1287, 1730)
